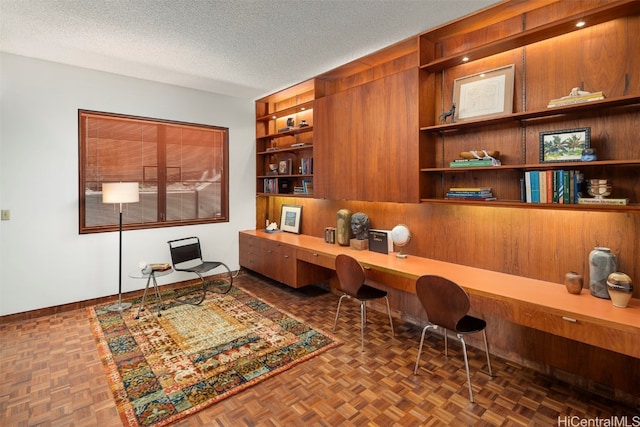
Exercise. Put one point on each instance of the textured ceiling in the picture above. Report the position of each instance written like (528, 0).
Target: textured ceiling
(245, 48)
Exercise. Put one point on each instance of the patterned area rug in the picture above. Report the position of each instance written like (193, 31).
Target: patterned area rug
(162, 369)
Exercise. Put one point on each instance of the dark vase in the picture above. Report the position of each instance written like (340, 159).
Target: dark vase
(573, 281)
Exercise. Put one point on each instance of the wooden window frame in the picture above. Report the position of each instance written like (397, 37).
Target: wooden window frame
(161, 179)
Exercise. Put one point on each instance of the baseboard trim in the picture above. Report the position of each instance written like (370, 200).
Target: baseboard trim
(63, 308)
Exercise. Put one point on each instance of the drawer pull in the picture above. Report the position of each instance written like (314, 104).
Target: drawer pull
(569, 319)
(315, 254)
(286, 256)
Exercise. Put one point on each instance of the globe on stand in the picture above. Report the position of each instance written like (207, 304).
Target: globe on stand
(400, 235)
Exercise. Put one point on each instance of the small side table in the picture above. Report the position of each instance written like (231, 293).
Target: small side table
(150, 276)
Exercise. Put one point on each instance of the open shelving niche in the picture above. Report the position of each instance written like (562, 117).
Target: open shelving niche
(437, 176)
(277, 142)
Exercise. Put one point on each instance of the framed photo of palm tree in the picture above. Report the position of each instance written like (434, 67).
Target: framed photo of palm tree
(564, 145)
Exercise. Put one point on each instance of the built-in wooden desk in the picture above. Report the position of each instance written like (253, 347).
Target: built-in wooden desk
(533, 303)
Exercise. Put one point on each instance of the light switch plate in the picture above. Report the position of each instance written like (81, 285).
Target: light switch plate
(6, 214)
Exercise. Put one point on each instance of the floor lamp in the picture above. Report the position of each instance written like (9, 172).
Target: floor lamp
(120, 192)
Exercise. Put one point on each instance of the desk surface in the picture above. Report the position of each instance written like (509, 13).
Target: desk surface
(498, 286)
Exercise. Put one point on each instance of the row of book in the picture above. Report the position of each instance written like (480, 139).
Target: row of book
(276, 185)
(305, 188)
(306, 165)
(553, 186)
(270, 185)
(470, 193)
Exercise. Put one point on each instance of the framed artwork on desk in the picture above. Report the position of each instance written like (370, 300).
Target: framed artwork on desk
(290, 218)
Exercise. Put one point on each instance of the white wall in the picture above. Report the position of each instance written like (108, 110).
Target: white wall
(44, 261)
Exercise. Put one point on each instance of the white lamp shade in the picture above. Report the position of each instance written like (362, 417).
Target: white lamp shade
(120, 192)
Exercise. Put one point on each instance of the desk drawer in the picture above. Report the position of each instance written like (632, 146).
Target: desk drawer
(316, 258)
(586, 331)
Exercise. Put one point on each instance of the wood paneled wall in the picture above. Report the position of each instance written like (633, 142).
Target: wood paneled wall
(538, 243)
(535, 242)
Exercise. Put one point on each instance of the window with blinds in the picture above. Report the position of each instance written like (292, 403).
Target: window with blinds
(180, 168)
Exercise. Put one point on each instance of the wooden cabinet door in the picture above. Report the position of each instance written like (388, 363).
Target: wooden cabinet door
(278, 262)
(334, 148)
(366, 141)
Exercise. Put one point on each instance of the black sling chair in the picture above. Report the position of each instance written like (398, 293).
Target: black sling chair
(186, 255)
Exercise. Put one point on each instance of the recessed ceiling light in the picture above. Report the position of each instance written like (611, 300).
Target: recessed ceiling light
(580, 24)
(465, 58)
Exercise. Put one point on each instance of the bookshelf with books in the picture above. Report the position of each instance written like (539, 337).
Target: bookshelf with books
(284, 140)
(539, 47)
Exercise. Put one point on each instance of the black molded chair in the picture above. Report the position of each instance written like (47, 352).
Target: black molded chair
(186, 255)
(447, 305)
(352, 282)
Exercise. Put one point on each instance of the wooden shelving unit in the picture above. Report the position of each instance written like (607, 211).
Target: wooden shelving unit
(284, 133)
(553, 31)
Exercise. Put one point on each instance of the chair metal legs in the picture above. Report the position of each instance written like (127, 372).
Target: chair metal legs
(466, 366)
(393, 334)
(464, 351)
(424, 331)
(363, 322)
(338, 311)
(363, 317)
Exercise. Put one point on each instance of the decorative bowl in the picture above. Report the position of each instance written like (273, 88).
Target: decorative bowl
(599, 188)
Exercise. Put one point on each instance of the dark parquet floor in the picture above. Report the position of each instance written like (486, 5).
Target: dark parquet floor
(51, 375)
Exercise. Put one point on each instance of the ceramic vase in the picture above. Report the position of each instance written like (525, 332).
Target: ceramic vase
(573, 282)
(602, 262)
(620, 289)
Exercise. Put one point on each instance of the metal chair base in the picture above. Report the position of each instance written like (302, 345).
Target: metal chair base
(205, 288)
(363, 317)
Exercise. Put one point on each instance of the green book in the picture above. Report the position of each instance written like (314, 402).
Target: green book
(471, 163)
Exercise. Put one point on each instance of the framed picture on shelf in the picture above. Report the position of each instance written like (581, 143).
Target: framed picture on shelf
(290, 218)
(564, 145)
(284, 167)
(485, 94)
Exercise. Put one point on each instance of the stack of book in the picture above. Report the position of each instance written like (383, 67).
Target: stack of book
(470, 193)
(474, 163)
(569, 100)
(553, 186)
